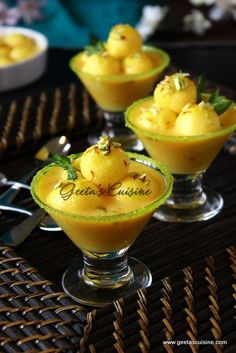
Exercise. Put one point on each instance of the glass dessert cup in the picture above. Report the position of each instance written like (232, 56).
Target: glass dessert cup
(114, 93)
(105, 273)
(187, 158)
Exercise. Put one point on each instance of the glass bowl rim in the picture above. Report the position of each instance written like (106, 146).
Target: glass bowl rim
(110, 218)
(125, 77)
(162, 137)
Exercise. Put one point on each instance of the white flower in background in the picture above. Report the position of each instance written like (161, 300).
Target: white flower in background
(196, 22)
(8, 16)
(223, 9)
(27, 10)
(202, 2)
(30, 10)
(151, 18)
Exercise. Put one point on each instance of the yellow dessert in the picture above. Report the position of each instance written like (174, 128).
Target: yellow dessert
(175, 91)
(120, 70)
(102, 208)
(178, 129)
(15, 47)
(123, 40)
(102, 65)
(5, 60)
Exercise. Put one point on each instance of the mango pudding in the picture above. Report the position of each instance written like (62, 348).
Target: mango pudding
(102, 199)
(118, 72)
(16, 47)
(184, 128)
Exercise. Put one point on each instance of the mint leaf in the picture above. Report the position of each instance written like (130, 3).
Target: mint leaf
(200, 87)
(97, 47)
(219, 103)
(65, 163)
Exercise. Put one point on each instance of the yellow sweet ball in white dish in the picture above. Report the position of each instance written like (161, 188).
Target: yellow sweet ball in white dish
(123, 40)
(197, 119)
(101, 64)
(5, 60)
(137, 63)
(175, 91)
(22, 52)
(103, 160)
(23, 56)
(4, 49)
(15, 47)
(15, 39)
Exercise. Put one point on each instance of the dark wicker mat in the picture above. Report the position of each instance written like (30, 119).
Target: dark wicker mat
(195, 304)
(69, 110)
(34, 119)
(34, 315)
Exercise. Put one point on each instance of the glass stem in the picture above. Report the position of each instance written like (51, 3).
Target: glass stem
(115, 125)
(187, 191)
(108, 270)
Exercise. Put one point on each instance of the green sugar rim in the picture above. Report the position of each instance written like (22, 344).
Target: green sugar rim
(162, 137)
(125, 77)
(109, 218)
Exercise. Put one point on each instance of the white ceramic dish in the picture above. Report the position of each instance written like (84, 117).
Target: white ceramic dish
(21, 73)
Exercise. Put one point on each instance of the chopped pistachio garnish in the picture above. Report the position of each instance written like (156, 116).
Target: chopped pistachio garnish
(205, 104)
(143, 177)
(179, 81)
(104, 144)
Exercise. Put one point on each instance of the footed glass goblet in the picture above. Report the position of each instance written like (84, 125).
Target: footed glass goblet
(114, 93)
(106, 273)
(187, 158)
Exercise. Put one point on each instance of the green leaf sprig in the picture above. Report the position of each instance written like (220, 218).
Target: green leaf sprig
(96, 48)
(65, 163)
(219, 103)
(200, 88)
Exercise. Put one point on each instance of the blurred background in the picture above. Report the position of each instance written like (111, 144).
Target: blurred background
(200, 35)
(73, 23)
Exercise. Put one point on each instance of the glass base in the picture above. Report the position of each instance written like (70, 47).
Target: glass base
(209, 208)
(115, 128)
(74, 285)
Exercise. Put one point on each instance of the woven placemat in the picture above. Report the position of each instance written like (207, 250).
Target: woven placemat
(31, 120)
(34, 315)
(70, 110)
(192, 310)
